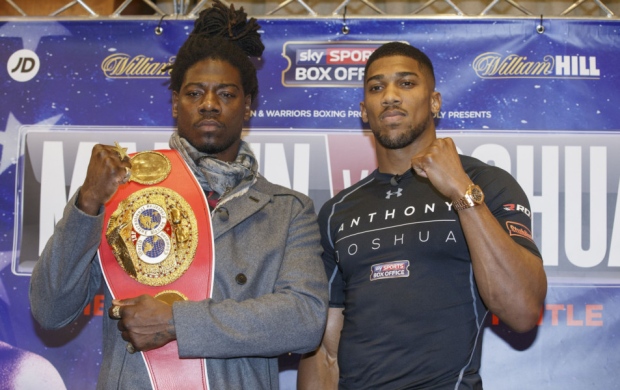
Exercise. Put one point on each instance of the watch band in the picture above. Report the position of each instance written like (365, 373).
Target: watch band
(463, 203)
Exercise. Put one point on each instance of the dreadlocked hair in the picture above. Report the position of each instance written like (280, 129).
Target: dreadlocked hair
(225, 34)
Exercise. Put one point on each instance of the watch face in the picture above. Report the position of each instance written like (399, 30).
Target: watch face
(476, 194)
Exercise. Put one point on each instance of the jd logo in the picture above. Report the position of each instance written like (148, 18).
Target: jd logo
(23, 65)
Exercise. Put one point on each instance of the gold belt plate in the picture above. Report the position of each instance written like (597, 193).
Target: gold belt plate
(153, 234)
(149, 167)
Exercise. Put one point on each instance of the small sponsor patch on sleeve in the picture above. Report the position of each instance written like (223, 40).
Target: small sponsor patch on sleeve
(517, 207)
(518, 229)
(390, 270)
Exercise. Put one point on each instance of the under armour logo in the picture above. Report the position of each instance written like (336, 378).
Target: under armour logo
(397, 193)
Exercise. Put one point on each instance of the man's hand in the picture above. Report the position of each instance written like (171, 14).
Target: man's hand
(147, 323)
(108, 168)
(440, 163)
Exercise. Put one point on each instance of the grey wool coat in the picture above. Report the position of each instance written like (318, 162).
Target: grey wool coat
(268, 233)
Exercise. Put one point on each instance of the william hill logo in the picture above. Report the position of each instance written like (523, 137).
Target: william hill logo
(120, 65)
(495, 66)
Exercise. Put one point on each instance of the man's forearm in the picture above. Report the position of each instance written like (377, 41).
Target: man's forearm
(510, 279)
(317, 371)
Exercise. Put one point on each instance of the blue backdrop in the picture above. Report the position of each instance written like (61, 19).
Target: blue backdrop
(542, 106)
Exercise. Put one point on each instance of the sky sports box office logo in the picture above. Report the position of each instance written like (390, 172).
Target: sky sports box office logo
(326, 64)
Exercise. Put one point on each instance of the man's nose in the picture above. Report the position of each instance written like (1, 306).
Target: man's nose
(209, 103)
(390, 96)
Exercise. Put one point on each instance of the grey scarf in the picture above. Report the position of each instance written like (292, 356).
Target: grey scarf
(216, 175)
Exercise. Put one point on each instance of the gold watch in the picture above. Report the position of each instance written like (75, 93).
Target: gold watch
(473, 197)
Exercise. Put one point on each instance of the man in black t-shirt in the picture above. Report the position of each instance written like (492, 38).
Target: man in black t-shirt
(419, 252)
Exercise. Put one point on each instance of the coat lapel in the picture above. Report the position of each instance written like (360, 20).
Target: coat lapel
(233, 212)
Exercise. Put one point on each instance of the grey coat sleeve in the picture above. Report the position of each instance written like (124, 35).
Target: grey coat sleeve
(67, 275)
(284, 310)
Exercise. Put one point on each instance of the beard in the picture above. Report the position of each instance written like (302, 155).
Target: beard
(401, 139)
(213, 144)
(216, 148)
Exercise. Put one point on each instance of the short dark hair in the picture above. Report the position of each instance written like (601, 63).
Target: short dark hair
(225, 34)
(401, 49)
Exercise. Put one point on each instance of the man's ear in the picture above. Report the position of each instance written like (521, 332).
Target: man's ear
(364, 114)
(248, 110)
(435, 102)
(175, 104)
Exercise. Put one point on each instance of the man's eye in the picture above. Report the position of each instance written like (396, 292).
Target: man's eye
(193, 93)
(375, 88)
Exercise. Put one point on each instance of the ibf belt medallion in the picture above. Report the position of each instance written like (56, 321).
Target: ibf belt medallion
(153, 234)
(149, 168)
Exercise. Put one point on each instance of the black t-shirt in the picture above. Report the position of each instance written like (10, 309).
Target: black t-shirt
(398, 263)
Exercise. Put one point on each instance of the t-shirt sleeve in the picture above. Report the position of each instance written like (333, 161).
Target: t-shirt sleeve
(335, 280)
(509, 204)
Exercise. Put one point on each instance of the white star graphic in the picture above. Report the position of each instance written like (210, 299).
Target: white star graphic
(9, 139)
(31, 34)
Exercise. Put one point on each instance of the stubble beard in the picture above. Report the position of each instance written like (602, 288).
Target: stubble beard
(216, 148)
(215, 145)
(402, 139)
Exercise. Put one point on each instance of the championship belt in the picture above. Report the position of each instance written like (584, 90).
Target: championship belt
(157, 240)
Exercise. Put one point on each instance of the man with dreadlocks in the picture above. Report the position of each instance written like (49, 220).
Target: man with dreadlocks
(267, 294)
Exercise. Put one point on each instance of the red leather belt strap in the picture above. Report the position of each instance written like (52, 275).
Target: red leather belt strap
(166, 369)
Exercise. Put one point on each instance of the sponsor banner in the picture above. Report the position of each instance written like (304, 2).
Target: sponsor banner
(570, 179)
(540, 106)
(576, 323)
(492, 74)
